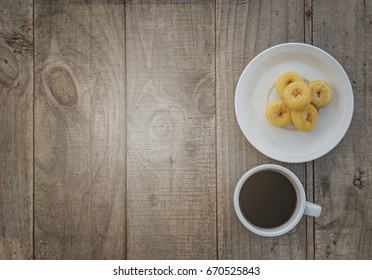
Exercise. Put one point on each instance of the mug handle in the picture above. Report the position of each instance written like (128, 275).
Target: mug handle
(312, 209)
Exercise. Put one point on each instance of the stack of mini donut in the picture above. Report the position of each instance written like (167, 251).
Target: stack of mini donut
(300, 102)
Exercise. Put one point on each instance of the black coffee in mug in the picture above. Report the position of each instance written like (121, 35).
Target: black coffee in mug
(267, 199)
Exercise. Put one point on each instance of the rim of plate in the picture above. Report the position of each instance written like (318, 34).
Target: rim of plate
(322, 150)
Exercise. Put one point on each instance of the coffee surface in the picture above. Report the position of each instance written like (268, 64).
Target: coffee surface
(267, 199)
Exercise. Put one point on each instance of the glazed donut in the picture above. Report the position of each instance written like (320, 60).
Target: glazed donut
(297, 95)
(305, 120)
(277, 113)
(285, 79)
(321, 93)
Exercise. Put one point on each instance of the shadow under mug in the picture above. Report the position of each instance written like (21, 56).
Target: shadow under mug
(303, 207)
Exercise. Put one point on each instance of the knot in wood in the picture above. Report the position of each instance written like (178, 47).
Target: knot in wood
(357, 182)
(62, 86)
(9, 70)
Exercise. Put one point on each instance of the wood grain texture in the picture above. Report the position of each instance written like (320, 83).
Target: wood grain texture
(244, 29)
(16, 129)
(79, 130)
(171, 130)
(343, 177)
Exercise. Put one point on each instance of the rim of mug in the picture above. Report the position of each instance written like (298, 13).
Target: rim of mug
(298, 212)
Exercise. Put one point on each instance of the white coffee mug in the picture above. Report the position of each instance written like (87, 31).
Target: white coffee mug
(303, 207)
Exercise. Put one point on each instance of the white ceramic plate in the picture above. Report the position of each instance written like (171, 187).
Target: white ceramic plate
(256, 89)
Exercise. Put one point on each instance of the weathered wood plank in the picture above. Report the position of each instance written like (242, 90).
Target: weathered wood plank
(79, 130)
(171, 130)
(16, 129)
(245, 28)
(343, 178)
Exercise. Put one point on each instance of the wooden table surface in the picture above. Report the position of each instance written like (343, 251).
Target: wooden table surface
(118, 138)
